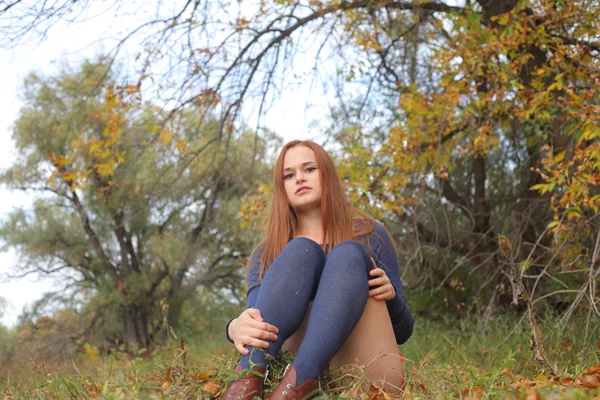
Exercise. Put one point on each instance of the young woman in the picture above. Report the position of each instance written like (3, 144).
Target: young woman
(324, 283)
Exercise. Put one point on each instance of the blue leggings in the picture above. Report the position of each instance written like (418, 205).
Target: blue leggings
(339, 286)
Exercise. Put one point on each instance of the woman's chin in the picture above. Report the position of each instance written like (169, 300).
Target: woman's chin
(308, 205)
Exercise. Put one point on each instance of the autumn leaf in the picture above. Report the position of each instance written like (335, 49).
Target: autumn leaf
(211, 388)
(590, 378)
(202, 376)
(565, 381)
(167, 380)
(377, 393)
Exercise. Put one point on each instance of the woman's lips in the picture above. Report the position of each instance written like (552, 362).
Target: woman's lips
(303, 190)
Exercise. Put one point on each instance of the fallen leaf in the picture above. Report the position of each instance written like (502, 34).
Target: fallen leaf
(534, 396)
(211, 388)
(377, 393)
(595, 370)
(167, 379)
(523, 384)
(505, 371)
(564, 380)
(202, 376)
(478, 391)
(589, 381)
(567, 345)
(590, 378)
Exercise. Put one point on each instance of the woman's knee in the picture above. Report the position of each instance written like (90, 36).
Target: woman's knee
(300, 252)
(353, 252)
(305, 247)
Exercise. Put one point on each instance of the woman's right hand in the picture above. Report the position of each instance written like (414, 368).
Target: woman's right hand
(249, 329)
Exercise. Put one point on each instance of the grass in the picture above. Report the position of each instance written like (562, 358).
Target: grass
(452, 359)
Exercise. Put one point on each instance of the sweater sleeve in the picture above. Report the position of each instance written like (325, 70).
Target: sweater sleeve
(253, 278)
(253, 284)
(386, 259)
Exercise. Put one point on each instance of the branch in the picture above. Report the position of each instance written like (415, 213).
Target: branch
(444, 138)
(450, 194)
(93, 237)
(9, 6)
(594, 46)
(433, 238)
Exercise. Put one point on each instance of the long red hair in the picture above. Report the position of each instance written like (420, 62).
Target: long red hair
(340, 221)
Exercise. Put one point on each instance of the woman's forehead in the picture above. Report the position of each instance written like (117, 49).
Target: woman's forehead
(297, 156)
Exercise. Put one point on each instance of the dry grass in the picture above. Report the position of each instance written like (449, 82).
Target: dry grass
(452, 360)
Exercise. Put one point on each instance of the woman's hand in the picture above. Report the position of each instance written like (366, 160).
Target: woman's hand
(249, 329)
(385, 289)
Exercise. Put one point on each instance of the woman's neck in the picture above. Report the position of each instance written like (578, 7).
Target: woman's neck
(310, 225)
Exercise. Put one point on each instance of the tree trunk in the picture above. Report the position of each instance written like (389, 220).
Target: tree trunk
(136, 329)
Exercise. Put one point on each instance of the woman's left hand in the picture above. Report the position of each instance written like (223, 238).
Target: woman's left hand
(385, 289)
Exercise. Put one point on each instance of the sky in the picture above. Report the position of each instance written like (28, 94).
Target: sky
(289, 117)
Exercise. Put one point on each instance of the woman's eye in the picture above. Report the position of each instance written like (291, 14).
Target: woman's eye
(311, 169)
(288, 176)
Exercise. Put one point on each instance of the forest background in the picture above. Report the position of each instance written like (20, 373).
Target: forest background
(470, 129)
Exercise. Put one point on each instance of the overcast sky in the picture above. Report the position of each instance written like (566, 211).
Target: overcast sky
(289, 118)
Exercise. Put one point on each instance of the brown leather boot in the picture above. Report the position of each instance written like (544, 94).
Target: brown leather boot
(287, 390)
(247, 387)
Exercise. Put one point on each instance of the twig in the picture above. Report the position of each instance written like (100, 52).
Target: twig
(520, 292)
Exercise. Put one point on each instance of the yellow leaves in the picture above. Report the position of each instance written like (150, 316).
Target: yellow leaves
(504, 19)
(202, 376)
(105, 169)
(367, 40)
(241, 23)
(59, 161)
(252, 212)
(94, 146)
(103, 147)
(91, 352)
(553, 224)
(570, 178)
(166, 136)
(181, 145)
(543, 188)
(590, 131)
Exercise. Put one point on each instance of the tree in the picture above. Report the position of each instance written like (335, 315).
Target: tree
(130, 210)
(508, 115)
(463, 109)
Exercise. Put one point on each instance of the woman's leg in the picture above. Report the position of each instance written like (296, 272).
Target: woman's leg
(286, 289)
(373, 344)
(381, 358)
(339, 303)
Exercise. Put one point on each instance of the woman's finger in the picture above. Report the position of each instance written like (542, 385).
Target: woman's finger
(377, 272)
(255, 314)
(382, 297)
(256, 343)
(263, 326)
(379, 290)
(378, 281)
(262, 334)
(241, 349)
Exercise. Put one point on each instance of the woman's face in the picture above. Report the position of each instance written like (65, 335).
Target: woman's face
(301, 178)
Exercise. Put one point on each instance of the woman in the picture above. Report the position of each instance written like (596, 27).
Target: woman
(318, 249)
